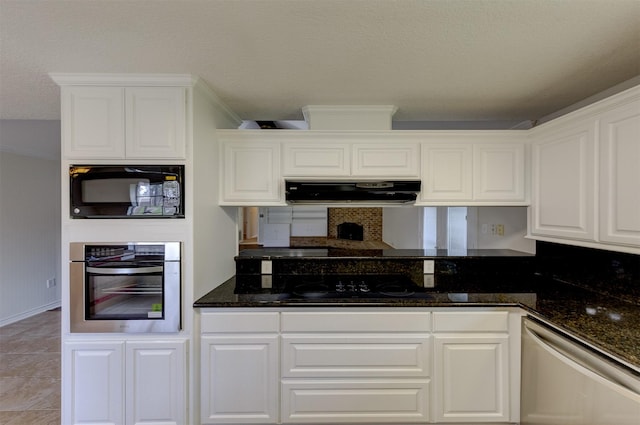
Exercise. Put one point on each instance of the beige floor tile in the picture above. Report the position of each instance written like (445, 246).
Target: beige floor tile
(30, 371)
(31, 417)
(17, 393)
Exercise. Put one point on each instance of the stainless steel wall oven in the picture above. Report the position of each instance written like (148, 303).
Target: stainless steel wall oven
(125, 287)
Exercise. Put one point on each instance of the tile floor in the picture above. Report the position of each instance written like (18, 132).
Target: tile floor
(30, 371)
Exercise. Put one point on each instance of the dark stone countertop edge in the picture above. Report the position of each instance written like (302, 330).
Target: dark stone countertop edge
(622, 343)
(373, 254)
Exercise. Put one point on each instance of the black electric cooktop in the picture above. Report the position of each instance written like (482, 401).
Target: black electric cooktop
(351, 286)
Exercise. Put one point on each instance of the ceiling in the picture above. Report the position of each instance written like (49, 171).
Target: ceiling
(439, 60)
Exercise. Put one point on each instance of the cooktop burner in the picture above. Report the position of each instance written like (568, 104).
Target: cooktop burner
(352, 286)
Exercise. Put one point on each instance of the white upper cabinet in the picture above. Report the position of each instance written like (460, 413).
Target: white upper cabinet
(250, 173)
(446, 174)
(155, 122)
(585, 176)
(620, 175)
(499, 172)
(339, 155)
(93, 122)
(106, 116)
(563, 174)
(473, 170)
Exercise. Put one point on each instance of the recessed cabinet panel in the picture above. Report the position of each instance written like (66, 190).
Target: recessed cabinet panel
(93, 122)
(94, 384)
(316, 160)
(239, 376)
(563, 184)
(401, 160)
(446, 174)
(356, 355)
(155, 124)
(250, 173)
(499, 173)
(620, 175)
(363, 401)
(156, 379)
(472, 374)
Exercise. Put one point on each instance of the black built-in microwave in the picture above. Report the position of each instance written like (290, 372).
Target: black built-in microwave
(126, 191)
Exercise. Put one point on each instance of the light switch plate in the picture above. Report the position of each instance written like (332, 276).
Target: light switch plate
(266, 267)
(429, 266)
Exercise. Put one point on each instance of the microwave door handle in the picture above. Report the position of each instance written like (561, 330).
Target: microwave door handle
(133, 191)
(125, 270)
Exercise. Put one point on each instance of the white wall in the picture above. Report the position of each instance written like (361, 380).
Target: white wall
(29, 235)
(514, 220)
(215, 233)
(402, 227)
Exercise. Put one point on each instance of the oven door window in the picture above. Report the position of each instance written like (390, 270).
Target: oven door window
(124, 293)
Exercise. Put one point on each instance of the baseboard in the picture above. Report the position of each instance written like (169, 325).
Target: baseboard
(29, 313)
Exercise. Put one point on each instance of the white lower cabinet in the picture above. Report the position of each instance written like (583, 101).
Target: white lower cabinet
(360, 365)
(355, 366)
(239, 368)
(471, 369)
(118, 382)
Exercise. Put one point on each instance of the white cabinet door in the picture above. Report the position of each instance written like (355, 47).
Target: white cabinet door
(250, 174)
(156, 382)
(471, 377)
(119, 123)
(382, 160)
(620, 175)
(311, 159)
(93, 122)
(446, 172)
(93, 388)
(563, 180)
(240, 382)
(155, 122)
(499, 172)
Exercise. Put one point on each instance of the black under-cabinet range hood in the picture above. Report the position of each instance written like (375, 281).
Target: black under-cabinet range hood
(369, 192)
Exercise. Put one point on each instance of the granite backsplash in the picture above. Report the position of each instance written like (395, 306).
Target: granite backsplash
(612, 273)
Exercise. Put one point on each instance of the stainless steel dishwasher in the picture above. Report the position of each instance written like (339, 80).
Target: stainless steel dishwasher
(566, 383)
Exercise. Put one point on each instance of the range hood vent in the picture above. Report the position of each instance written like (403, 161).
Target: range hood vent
(363, 192)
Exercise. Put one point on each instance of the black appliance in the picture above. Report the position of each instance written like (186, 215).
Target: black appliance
(126, 191)
(372, 192)
(352, 286)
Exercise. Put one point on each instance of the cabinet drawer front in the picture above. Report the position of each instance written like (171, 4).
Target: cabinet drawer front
(239, 322)
(397, 160)
(306, 160)
(367, 401)
(353, 321)
(467, 321)
(356, 356)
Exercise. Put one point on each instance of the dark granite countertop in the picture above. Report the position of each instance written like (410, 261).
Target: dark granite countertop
(373, 254)
(609, 323)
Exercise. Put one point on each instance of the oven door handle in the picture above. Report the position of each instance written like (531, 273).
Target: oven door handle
(127, 270)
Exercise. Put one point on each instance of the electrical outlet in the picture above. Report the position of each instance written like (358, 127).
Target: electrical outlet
(51, 282)
(266, 267)
(429, 266)
(500, 229)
